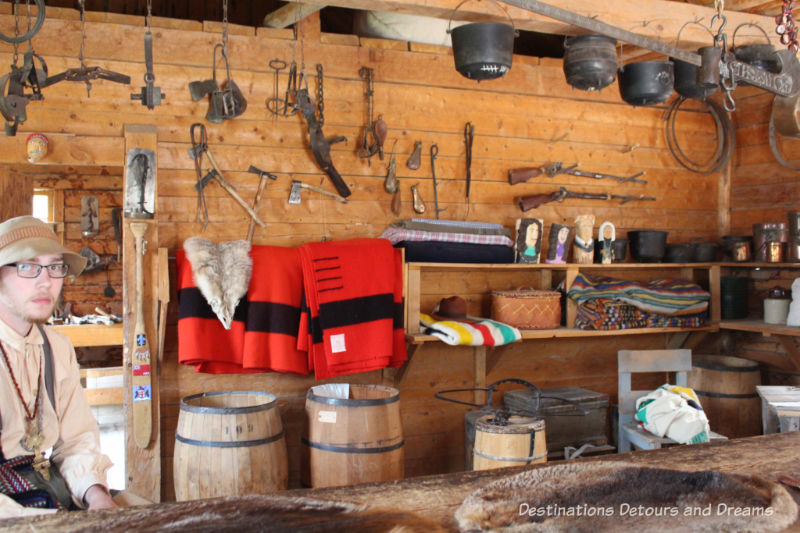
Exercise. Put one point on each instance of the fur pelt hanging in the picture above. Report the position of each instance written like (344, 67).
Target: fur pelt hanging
(618, 496)
(221, 272)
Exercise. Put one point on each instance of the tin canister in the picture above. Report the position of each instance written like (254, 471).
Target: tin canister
(794, 223)
(774, 252)
(793, 249)
(769, 232)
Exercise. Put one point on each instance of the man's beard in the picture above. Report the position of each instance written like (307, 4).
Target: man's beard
(24, 315)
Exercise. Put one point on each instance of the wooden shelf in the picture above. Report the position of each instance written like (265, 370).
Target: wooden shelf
(573, 333)
(85, 335)
(759, 326)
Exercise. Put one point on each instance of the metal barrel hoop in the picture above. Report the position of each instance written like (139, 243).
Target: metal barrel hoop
(725, 138)
(498, 4)
(33, 30)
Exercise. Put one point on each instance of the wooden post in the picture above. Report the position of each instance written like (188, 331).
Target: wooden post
(142, 465)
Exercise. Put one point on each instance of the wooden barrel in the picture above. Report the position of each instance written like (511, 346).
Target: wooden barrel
(519, 442)
(229, 443)
(726, 388)
(353, 435)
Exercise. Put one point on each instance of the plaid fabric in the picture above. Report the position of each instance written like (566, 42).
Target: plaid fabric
(663, 296)
(18, 488)
(396, 235)
(470, 331)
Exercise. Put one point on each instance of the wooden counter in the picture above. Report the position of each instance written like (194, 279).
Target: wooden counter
(432, 497)
(84, 335)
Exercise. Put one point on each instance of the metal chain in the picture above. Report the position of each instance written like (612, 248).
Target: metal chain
(149, 14)
(83, 32)
(320, 103)
(16, 32)
(225, 27)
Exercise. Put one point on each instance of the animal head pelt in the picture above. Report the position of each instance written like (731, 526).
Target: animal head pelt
(221, 272)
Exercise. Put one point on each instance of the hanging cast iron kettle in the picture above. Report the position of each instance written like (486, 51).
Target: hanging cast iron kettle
(646, 82)
(483, 50)
(590, 61)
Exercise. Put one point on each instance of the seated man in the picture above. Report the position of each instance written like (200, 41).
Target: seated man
(42, 404)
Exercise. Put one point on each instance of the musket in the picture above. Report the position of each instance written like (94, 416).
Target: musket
(533, 201)
(520, 175)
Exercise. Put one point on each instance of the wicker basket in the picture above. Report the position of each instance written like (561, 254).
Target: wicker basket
(527, 308)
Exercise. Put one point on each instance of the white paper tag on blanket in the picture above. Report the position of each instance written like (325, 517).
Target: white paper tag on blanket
(337, 343)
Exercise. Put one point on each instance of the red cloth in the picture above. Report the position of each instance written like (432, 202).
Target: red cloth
(263, 335)
(354, 294)
(353, 321)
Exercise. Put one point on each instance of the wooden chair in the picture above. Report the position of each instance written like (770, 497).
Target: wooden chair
(633, 361)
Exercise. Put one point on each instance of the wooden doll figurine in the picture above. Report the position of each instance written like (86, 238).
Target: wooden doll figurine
(583, 245)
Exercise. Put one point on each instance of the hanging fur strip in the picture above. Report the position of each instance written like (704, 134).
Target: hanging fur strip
(221, 272)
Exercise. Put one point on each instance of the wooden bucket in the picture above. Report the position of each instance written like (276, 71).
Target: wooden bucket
(726, 388)
(353, 435)
(229, 443)
(520, 442)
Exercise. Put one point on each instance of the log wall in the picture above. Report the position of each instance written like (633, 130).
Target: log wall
(762, 190)
(529, 118)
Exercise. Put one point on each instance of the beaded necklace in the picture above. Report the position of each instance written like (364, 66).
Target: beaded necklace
(33, 439)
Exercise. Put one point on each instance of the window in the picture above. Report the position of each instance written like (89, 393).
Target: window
(43, 204)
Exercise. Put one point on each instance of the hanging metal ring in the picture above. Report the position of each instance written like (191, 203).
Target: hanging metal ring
(37, 25)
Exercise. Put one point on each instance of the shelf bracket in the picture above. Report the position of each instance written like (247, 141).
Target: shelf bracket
(792, 351)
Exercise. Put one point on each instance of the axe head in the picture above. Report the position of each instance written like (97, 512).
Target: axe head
(294, 194)
(201, 89)
(203, 182)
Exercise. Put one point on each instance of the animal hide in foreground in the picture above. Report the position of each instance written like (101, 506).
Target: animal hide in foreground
(221, 272)
(259, 513)
(611, 496)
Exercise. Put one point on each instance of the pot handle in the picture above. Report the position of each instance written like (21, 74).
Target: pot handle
(645, 24)
(733, 37)
(678, 38)
(450, 22)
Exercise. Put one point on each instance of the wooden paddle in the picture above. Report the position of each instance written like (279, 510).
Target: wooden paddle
(141, 385)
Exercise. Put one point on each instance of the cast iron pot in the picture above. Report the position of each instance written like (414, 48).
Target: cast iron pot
(705, 252)
(590, 61)
(686, 81)
(679, 253)
(648, 246)
(646, 82)
(483, 50)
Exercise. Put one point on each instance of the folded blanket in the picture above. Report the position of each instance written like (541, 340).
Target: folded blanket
(470, 331)
(664, 296)
(605, 314)
(673, 412)
(398, 234)
(452, 226)
(354, 295)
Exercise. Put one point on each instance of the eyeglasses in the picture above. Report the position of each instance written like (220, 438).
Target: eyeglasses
(32, 270)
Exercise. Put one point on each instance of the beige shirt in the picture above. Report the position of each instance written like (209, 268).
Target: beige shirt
(70, 429)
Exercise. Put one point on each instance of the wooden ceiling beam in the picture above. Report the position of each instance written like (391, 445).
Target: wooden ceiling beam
(290, 14)
(666, 17)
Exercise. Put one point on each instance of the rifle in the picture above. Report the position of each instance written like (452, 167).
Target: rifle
(533, 201)
(520, 175)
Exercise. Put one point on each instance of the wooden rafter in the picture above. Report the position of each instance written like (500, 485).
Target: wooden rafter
(290, 14)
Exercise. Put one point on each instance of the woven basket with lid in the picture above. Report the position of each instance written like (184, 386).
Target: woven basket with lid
(527, 308)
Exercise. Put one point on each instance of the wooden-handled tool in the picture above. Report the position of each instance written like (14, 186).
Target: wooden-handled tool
(141, 384)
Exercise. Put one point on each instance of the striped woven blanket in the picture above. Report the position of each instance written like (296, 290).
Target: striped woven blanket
(671, 297)
(470, 331)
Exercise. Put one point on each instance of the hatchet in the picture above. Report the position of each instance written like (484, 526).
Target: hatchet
(294, 194)
(262, 182)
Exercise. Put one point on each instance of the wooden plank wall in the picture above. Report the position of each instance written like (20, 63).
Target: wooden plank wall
(530, 118)
(762, 190)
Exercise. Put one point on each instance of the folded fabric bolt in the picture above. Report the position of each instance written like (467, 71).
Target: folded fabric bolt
(664, 296)
(673, 412)
(470, 331)
(396, 235)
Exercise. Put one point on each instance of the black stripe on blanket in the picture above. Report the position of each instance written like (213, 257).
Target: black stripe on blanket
(264, 317)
